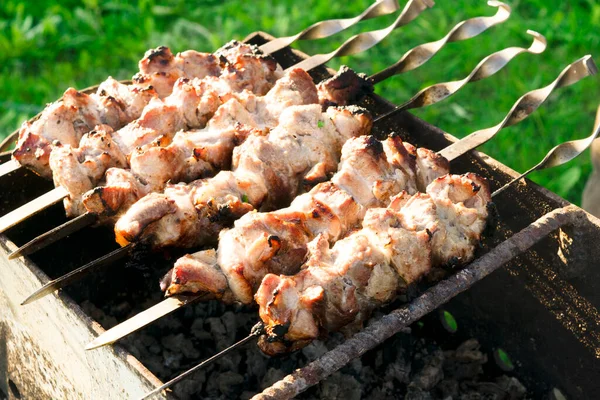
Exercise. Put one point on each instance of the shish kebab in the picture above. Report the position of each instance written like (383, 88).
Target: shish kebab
(520, 110)
(298, 309)
(410, 60)
(178, 209)
(355, 44)
(159, 70)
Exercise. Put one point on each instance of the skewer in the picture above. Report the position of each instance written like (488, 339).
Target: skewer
(256, 331)
(366, 40)
(165, 307)
(559, 155)
(53, 235)
(323, 29)
(33, 207)
(462, 31)
(486, 68)
(318, 30)
(581, 68)
(76, 274)
(146, 318)
(9, 166)
(8, 141)
(355, 44)
(412, 59)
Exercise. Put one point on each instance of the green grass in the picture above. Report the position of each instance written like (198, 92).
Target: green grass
(47, 46)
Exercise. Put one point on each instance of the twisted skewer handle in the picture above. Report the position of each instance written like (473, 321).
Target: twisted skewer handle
(486, 68)
(559, 155)
(526, 105)
(366, 40)
(330, 27)
(462, 31)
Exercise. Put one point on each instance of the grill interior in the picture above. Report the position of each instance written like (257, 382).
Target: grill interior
(519, 307)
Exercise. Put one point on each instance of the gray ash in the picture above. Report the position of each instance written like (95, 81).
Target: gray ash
(405, 366)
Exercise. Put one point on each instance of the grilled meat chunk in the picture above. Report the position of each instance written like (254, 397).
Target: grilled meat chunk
(369, 174)
(338, 287)
(268, 171)
(344, 88)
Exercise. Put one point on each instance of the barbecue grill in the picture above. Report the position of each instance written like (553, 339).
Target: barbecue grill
(542, 306)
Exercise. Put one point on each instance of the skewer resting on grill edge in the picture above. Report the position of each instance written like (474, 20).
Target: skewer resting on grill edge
(559, 155)
(412, 59)
(487, 67)
(434, 297)
(318, 30)
(354, 45)
(149, 316)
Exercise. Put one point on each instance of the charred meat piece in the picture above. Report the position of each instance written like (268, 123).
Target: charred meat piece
(369, 174)
(344, 88)
(338, 287)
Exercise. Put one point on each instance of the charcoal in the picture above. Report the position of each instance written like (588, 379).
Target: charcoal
(341, 386)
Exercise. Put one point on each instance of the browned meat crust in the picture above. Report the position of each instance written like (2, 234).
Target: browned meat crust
(344, 88)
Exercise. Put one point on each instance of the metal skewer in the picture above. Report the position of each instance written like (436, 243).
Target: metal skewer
(414, 58)
(33, 207)
(9, 166)
(163, 308)
(119, 331)
(525, 105)
(356, 44)
(53, 235)
(323, 29)
(486, 68)
(559, 155)
(318, 30)
(256, 331)
(366, 40)
(464, 30)
(78, 273)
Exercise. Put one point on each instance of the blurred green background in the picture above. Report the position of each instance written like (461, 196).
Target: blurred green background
(48, 46)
